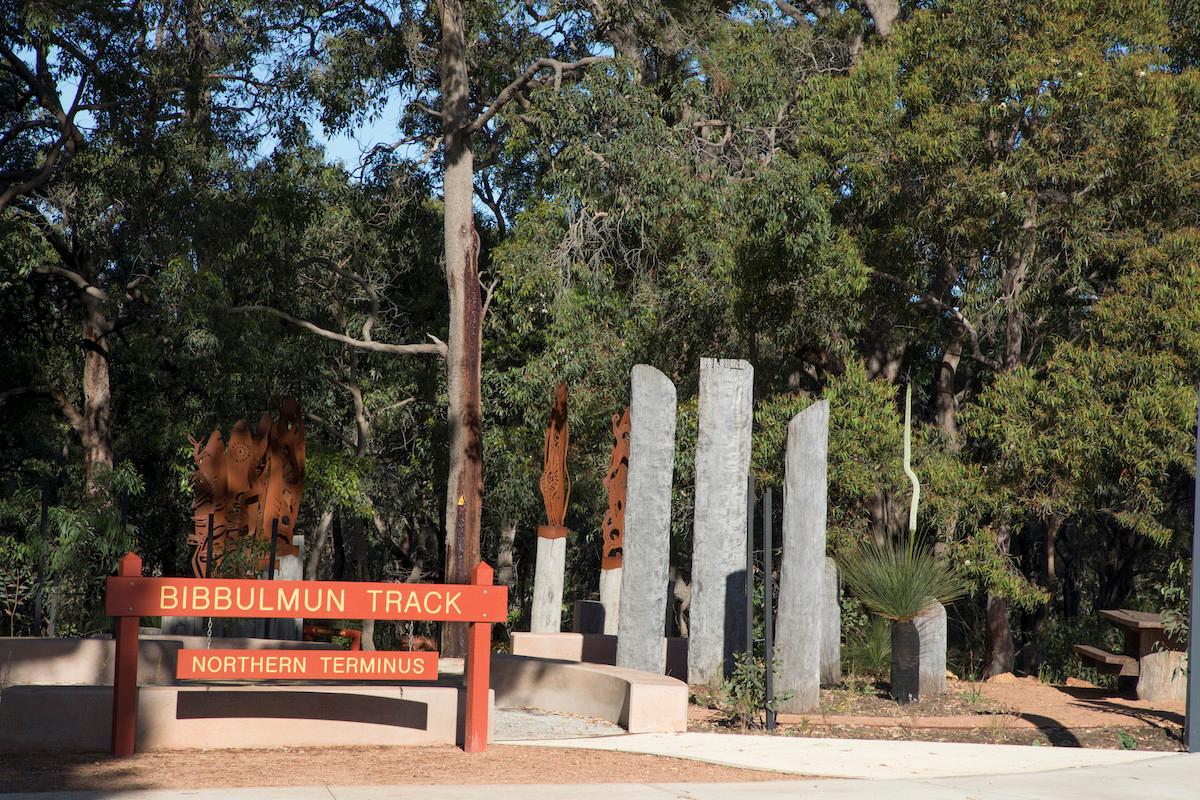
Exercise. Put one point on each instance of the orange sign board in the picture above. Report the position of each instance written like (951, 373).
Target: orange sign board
(200, 597)
(220, 665)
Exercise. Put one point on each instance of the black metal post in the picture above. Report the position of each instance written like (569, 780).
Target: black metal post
(208, 558)
(1191, 723)
(208, 555)
(271, 562)
(768, 608)
(750, 566)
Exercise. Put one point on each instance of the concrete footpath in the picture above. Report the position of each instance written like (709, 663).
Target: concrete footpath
(891, 770)
(854, 758)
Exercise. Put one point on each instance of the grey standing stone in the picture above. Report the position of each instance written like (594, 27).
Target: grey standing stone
(931, 632)
(548, 585)
(798, 628)
(831, 627)
(718, 609)
(644, 573)
(610, 598)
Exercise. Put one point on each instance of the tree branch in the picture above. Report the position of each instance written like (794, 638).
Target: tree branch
(508, 92)
(437, 347)
(929, 300)
(68, 409)
(80, 282)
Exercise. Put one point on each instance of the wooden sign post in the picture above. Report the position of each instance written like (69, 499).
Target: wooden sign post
(130, 596)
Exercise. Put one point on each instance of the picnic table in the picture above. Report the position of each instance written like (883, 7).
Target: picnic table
(1149, 655)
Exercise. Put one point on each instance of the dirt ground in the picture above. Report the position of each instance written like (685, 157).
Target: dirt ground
(1006, 709)
(353, 766)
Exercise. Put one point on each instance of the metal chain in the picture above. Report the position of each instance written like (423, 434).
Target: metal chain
(208, 641)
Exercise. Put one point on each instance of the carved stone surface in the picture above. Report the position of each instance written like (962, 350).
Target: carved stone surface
(718, 605)
(798, 629)
(644, 576)
(831, 627)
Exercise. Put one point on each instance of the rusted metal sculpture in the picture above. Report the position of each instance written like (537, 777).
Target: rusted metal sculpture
(246, 489)
(613, 529)
(555, 482)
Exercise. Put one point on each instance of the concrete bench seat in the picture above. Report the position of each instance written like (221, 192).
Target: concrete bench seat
(640, 702)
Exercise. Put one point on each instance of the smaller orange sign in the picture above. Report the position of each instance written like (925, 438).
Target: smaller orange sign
(287, 665)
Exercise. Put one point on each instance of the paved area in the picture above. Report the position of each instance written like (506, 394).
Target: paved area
(1172, 777)
(893, 770)
(858, 758)
(518, 724)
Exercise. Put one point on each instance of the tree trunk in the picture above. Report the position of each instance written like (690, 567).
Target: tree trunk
(999, 652)
(464, 489)
(1046, 579)
(505, 569)
(95, 432)
(946, 412)
(318, 544)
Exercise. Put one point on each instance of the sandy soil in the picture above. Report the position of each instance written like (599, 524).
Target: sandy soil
(353, 766)
(1005, 709)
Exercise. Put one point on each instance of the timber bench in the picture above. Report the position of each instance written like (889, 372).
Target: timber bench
(1149, 655)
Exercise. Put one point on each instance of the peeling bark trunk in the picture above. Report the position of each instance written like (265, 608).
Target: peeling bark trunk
(464, 490)
(95, 431)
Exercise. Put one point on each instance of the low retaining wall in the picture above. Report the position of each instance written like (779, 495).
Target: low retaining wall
(89, 662)
(79, 718)
(640, 702)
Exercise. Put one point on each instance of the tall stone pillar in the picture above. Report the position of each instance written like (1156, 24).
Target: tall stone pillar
(798, 630)
(647, 545)
(718, 610)
(831, 627)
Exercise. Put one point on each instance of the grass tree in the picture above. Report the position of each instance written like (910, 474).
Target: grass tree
(900, 580)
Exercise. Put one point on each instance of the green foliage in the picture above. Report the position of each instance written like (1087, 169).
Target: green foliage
(742, 699)
(899, 581)
(869, 650)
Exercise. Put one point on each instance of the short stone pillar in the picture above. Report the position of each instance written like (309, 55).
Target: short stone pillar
(647, 545)
(831, 627)
(588, 617)
(931, 631)
(798, 628)
(610, 598)
(546, 615)
(717, 626)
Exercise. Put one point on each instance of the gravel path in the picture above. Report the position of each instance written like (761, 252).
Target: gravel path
(517, 724)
